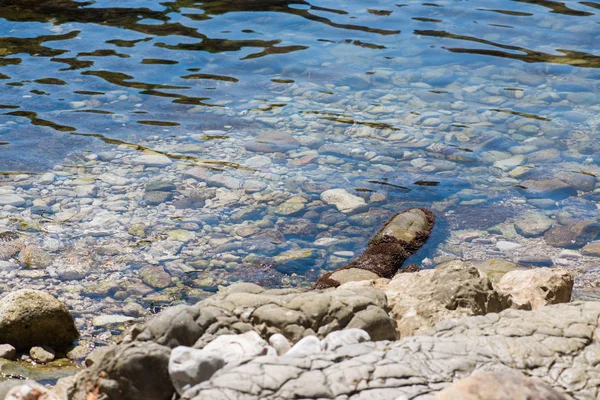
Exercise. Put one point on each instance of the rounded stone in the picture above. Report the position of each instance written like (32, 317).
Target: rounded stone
(34, 318)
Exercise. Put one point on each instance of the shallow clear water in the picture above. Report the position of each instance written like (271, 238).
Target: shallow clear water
(453, 105)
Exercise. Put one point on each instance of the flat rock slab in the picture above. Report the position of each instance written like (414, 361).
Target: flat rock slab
(152, 160)
(344, 201)
(11, 200)
(556, 344)
(272, 142)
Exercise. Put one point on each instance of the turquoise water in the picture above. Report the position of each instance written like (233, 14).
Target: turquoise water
(65, 66)
(137, 144)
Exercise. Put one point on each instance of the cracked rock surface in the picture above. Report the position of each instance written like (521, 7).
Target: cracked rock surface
(294, 313)
(556, 344)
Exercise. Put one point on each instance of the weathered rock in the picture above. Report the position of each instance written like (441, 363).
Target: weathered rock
(532, 224)
(573, 235)
(235, 347)
(155, 276)
(534, 288)
(399, 238)
(189, 367)
(291, 312)
(345, 337)
(155, 198)
(41, 354)
(501, 385)
(556, 344)
(125, 372)
(32, 318)
(452, 290)
(344, 201)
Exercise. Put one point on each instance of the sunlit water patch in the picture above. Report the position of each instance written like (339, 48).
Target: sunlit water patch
(154, 151)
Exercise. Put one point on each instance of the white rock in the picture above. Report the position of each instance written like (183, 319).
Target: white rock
(258, 161)
(235, 347)
(344, 337)
(105, 319)
(47, 178)
(11, 200)
(7, 266)
(573, 254)
(306, 346)
(151, 160)
(31, 392)
(280, 343)
(344, 201)
(325, 242)
(510, 163)
(189, 367)
(113, 179)
(504, 245)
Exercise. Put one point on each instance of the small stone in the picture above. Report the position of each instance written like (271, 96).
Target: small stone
(504, 245)
(189, 367)
(344, 201)
(31, 392)
(106, 320)
(156, 198)
(573, 235)
(591, 249)
(152, 160)
(42, 354)
(160, 186)
(155, 276)
(11, 200)
(290, 207)
(535, 261)
(572, 254)
(554, 189)
(181, 235)
(533, 224)
(34, 257)
(138, 229)
(272, 142)
(258, 161)
(510, 163)
(8, 352)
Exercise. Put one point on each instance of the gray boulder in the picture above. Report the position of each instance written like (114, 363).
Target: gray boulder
(555, 344)
(125, 372)
(34, 318)
(291, 312)
(535, 288)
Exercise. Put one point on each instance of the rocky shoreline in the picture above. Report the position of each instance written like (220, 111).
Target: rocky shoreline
(398, 336)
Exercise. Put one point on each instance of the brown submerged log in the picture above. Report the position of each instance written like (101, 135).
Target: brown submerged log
(400, 237)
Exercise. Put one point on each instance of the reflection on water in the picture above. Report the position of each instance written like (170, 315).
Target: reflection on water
(220, 124)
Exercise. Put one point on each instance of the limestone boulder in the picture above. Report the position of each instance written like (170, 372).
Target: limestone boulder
(556, 345)
(535, 288)
(33, 318)
(454, 289)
